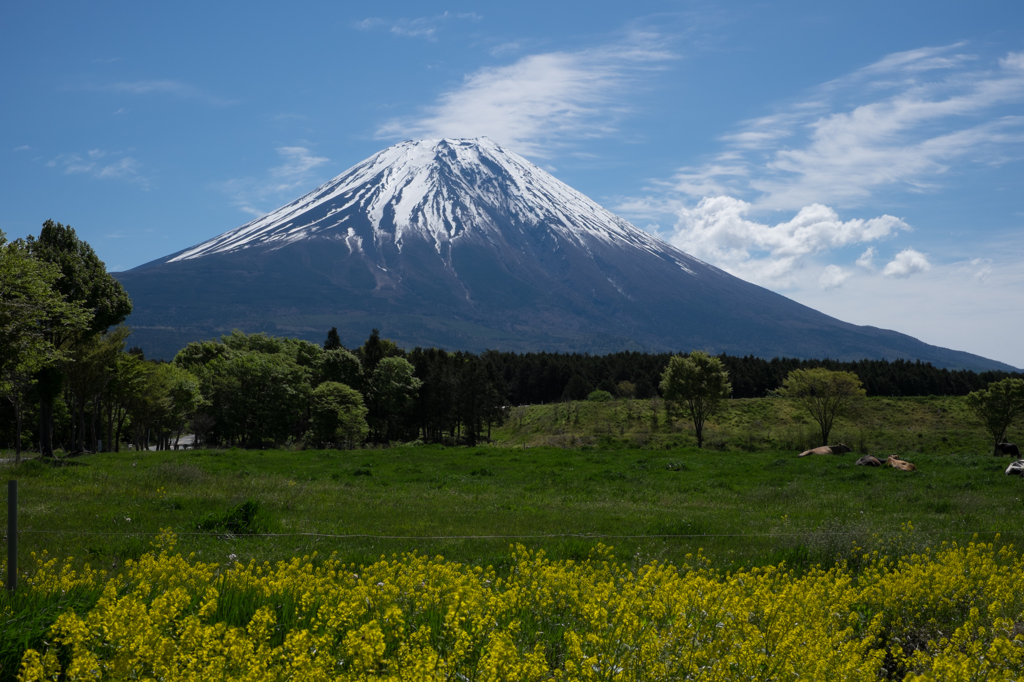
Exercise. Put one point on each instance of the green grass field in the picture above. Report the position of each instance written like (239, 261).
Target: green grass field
(747, 502)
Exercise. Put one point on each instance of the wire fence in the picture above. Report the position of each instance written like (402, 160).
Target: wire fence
(532, 536)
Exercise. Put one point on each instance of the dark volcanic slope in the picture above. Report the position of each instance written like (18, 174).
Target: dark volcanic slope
(464, 245)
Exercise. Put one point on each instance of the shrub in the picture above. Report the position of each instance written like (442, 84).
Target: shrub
(599, 396)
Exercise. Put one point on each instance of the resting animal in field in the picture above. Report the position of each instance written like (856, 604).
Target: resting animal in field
(900, 464)
(869, 461)
(1015, 468)
(827, 450)
(1007, 449)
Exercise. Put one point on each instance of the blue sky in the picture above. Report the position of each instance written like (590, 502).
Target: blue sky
(862, 158)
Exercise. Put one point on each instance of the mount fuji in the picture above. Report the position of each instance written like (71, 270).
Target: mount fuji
(462, 244)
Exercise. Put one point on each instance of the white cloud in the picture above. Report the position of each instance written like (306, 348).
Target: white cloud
(717, 230)
(867, 259)
(903, 122)
(124, 168)
(163, 87)
(539, 101)
(422, 27)
(295, 174)
(22, 148)
(906, 263)
(833, 276)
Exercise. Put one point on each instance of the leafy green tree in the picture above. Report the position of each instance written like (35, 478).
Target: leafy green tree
(392, 387)
(256, 387)
(998, 406)
(90, 367)
(126, 387)
(338, 415)
(698, 383)
(84, 282)
(257, 397)
(33, 314)
(824, 393)
(340, 366)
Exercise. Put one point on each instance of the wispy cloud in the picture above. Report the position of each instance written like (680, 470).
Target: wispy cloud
(253, 195)
(541, 100)
(163, 87)
(102, 165)
(422, 27)
(22, 148)
(902, 122)
(867, 259)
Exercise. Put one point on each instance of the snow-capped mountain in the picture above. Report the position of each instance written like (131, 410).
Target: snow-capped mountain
(465, 245)
(438, 191)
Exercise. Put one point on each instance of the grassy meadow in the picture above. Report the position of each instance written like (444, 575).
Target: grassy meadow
(746, 499)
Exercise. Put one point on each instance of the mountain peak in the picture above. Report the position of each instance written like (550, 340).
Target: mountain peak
(436, 190)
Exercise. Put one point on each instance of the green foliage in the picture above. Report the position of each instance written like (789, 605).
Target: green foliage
(699, 383)
(998, 406)
(247, 518)
(338, 365)
(256, 388)
(33, 313)
(578, 388)
(825, 394)
(599, 396)
(333, 341)
(337, 415)
(375, 349)
(392, 386)
(28, 615)
(84, 279)
(626, 389)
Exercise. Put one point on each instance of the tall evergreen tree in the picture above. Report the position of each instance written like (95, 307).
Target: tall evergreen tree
(333, 341)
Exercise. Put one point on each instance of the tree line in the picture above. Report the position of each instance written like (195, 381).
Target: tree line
(69, 378)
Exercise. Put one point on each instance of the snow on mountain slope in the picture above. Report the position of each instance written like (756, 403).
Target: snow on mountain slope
(440, 191)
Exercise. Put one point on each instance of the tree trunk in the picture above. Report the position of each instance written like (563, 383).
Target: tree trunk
(46, 427)
(94, 423)
(17, 428)
(120, 425)
(110, 426)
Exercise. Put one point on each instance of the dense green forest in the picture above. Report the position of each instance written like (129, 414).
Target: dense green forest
(70, 380)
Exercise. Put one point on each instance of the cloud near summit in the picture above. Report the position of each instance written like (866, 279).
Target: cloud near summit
(718, 230)
(539, 101)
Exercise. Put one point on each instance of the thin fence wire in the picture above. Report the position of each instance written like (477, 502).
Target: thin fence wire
(536, 536)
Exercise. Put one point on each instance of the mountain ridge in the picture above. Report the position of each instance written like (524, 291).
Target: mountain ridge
(465, 245)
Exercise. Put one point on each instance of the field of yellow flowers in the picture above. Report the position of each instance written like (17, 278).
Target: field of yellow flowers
(952, 613)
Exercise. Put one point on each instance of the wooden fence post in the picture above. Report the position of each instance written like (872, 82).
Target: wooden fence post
(12, 536)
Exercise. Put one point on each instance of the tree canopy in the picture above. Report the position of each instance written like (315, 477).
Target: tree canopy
(825, 394)
(698, 383)
(998, 406)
